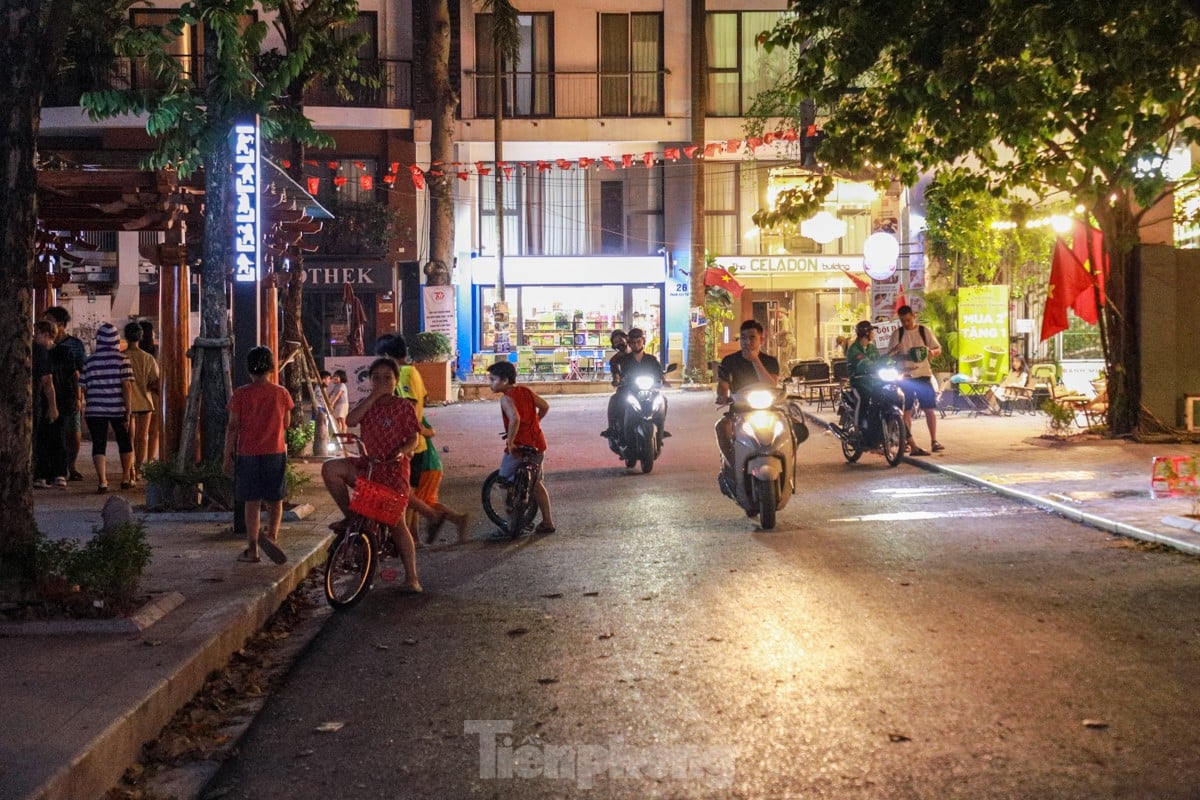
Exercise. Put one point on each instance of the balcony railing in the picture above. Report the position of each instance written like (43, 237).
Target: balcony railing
(394, 90)
(565, 95)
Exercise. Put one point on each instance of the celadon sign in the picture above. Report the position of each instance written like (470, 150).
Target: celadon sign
(755, 266)
(983, 332)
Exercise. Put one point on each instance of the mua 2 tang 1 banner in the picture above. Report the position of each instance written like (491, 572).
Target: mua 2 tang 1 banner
(983, 332)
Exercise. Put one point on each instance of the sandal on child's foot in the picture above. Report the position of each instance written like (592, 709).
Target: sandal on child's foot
(272, 550)
(246, 558)
(544, 528)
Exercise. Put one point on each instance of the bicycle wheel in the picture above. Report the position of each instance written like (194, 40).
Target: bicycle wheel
(524, 509)
(495, 499)
(349, 568)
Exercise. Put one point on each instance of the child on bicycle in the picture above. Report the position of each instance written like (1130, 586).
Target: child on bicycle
(390, 431)
(522, 410)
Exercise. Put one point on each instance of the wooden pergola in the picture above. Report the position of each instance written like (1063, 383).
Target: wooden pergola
(74, 200)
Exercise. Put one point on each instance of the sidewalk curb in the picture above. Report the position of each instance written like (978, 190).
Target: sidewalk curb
(98, 766)
(1189, 545)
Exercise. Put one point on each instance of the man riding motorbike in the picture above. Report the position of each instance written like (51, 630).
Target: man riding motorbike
(737, 370)
(862, 355)
(625, 368)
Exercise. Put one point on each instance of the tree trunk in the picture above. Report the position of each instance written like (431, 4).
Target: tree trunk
(697, 354)
(1122, 318)
(441, 140)
(214, 297)
(30, 40)
(293, 293)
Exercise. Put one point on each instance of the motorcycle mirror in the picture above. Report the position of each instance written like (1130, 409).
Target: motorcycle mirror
(671, 367)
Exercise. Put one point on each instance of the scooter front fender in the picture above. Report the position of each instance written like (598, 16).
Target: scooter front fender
(765, 466)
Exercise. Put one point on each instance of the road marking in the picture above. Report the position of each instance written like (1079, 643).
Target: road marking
(908, 516)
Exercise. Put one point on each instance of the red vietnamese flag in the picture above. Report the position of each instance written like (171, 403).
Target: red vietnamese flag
(720, 277)
(1088, 244)
(1067, 281)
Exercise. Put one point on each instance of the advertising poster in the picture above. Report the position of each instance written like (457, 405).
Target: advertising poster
(983, 332)
(358, 374)
(440, 311)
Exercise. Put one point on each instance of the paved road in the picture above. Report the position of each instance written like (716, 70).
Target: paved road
(898, 636)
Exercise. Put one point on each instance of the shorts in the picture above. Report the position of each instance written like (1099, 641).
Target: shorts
(508, 464)
(919, 389)
(72, 422)
(427, 487)
(260, 478)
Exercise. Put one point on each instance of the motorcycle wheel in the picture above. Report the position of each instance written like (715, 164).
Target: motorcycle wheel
(648, 453)
(893, 437)
(850, 449)
(768, 500)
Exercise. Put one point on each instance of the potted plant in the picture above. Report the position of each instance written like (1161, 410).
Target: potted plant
(430, 353)
(299, 439)
(169, 488)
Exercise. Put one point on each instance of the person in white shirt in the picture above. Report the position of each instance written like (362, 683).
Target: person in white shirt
(914, 345)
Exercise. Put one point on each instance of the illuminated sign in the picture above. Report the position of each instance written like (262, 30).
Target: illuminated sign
(751, 266)
(247, 192)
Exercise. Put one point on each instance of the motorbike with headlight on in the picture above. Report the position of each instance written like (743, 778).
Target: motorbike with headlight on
(643, 421)
(762, 475)
(872, 419)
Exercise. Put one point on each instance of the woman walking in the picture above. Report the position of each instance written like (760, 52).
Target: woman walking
(107, 382)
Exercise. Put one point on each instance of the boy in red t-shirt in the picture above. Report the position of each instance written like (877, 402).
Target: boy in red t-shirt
(258, 414)
(522, 410)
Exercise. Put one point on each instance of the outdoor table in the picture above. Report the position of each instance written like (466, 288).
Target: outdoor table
(977, 396)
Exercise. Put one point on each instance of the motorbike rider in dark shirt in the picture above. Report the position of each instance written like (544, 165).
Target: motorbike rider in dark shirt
(625, 368)
(749, 365)
(620, 342)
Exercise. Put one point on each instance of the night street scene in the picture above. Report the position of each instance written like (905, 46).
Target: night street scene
(685, 400)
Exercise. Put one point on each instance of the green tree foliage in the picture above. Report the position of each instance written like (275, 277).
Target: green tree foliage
(1077, 99)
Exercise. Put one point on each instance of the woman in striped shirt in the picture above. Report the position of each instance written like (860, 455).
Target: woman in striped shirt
(107, 382)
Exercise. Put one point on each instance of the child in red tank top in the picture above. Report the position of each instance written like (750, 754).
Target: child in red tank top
(522, 410)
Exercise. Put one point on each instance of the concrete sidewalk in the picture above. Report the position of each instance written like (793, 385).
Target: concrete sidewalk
(1099, 482)
(77, 708)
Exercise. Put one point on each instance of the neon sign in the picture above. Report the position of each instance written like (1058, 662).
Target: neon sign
(247, 176)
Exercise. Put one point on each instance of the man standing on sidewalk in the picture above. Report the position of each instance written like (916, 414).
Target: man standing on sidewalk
(913, 344)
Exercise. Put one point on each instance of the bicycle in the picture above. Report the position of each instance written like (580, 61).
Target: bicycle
(354, 555)
(511, 504)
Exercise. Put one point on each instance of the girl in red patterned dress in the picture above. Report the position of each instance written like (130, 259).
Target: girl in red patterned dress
(390, 430)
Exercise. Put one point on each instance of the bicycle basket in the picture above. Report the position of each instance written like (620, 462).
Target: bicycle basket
(378, 502)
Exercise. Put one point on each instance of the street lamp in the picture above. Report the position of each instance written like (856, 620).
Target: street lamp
(880, 252)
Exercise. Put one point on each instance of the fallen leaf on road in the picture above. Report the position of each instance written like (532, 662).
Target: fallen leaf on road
(409, 641)
(898, 737)
(647, 597)
(591, 594)
(518, 631)
(330, 727)
(715, 639)
(305, 753)
(379, 646)
(604, 636)
(552, 595)
(1096, 724)
(545, 681)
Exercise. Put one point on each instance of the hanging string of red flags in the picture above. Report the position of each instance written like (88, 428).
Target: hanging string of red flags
(722, 278)
(1075, 283)
(341, 173)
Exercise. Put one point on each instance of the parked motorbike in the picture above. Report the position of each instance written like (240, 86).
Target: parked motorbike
(643, 421)
(882, 424)
(762, 477)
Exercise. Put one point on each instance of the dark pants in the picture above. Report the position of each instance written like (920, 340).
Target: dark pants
(49, 450)
(98, 430)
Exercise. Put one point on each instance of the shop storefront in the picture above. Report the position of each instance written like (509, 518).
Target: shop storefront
(803, 302)
(326, 317)
(571, 303)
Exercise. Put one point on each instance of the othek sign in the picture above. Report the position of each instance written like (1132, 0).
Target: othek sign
(376, 276)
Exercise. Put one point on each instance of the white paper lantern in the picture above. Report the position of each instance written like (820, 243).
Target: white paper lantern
(823, 228)
(880, 252)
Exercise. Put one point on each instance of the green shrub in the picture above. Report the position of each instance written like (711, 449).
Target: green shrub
(107, 568)
(300, 436)
(429, 346)
(1060, 417)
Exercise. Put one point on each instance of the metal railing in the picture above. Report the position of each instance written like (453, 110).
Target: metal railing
(394, 76)
(559, 94)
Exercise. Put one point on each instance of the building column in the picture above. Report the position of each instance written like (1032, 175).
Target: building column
(174, 316)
